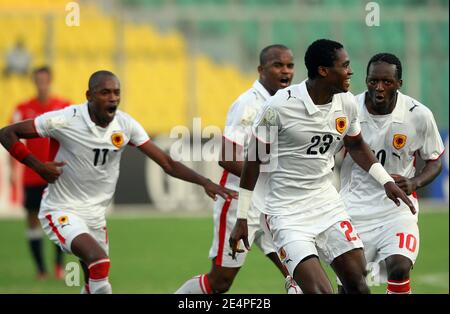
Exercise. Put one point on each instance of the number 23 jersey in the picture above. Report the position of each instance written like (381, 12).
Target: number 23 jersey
(92, 153)
(304, 138)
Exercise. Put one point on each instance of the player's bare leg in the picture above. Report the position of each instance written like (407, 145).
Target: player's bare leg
(89, 251)
(350, 267)
(221, 278)
(398, 268)
(85, 289)
(218, 280)
(290, 285)
(311, 277)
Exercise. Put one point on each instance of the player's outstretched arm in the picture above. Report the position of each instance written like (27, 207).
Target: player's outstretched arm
(229, 157)
(10, 138)
(180, 171)
(249, 177)
(364, 157)
(429, 172)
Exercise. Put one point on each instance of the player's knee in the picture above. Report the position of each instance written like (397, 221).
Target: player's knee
(316, 287)
(220, 284)
(357, 286)
(399, 271)
(93, 256)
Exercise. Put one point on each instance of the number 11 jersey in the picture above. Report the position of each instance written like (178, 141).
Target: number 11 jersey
(92, 153)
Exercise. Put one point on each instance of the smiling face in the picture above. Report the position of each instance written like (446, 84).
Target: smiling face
(338, 76)
(104, 98)
(277, 72)
(382, 86)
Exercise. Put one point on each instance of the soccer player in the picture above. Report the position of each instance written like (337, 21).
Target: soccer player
(397, 128)
(87, 142)
(276, 70)
(33, 184)
(303, 211)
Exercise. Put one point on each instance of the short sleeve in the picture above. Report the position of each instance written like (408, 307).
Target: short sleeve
(48, 123)
(138, 136)
(354, 125)
(239, 122)
(267, 124)
(432, 147)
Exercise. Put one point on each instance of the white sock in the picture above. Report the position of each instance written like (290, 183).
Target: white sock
(85, 289)
(291, 286)
(100, 286)
(196, 285)
(98, 277)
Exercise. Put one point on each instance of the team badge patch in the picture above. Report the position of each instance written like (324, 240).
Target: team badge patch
(399, 141)
(270, 118)
(117, 139)
(341, 124)
(63, 220)
(282, 254)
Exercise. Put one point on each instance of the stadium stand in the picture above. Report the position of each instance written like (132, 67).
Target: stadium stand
(162, 76)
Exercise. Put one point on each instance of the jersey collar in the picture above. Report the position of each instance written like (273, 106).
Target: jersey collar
(91, 125)
(309, 104)
(398, 115)
(261, 89)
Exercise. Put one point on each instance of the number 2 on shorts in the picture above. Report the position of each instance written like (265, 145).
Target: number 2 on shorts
(348, 233)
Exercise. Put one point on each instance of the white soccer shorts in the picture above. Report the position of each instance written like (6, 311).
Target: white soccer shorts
(327, 235)
(62, 227)
(224, 221)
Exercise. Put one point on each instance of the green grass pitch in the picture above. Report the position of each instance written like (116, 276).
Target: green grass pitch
(157, 255)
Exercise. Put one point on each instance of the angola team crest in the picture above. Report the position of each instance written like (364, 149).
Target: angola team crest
(63, 220)
(341, 124)
(117, 139)
(399, 141)
(282, 254)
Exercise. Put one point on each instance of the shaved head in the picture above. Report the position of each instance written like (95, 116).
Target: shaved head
(268, 53)
(97, 77)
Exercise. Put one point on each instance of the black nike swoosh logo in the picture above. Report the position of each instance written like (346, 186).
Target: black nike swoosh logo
(398, 156)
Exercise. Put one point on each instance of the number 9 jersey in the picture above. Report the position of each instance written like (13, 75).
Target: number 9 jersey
(92, 153)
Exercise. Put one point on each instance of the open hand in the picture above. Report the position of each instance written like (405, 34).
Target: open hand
(240, 231)
(394, 193)
(213, 189)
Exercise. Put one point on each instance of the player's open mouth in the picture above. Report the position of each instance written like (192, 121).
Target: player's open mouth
(379, 97)
(111, 110)
(284, 81)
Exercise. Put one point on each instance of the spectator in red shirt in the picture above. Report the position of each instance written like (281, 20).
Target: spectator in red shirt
(33, 184)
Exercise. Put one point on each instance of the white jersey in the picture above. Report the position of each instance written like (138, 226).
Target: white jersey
(92, 153)
(238, 128)
(307, 138)
(394, 138)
